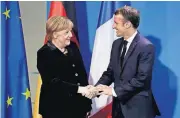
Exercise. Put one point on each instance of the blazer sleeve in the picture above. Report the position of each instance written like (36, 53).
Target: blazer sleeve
(144, 70)
(45, 65)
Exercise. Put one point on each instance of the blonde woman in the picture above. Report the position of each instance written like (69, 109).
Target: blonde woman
(64, 78)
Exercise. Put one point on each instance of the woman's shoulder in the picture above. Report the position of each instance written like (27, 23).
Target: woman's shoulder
(44, 49)
(73, 45)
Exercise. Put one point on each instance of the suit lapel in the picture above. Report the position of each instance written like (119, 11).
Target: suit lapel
(130, 50)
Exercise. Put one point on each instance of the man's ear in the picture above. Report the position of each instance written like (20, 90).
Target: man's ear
(128, 24)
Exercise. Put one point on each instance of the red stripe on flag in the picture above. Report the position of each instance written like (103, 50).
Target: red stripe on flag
(104, 113)
(57, 8)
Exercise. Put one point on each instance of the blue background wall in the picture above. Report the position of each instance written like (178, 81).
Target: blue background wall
(160, 23)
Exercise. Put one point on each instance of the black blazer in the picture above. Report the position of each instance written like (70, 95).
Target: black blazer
(132, 81)
(61, 75)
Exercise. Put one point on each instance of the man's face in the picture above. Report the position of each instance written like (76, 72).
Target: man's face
(119, 25)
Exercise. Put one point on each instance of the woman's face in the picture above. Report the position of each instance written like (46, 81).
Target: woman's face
(63, 37)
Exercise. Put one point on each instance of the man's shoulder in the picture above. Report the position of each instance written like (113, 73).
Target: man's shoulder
(144, 41)
(145, 44)
(117, 41)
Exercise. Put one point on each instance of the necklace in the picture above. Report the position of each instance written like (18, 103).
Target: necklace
(65, 51)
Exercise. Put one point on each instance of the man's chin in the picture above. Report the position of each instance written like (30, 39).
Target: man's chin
(118, 35)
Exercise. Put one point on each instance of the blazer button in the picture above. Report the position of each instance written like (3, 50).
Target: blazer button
(73, 65)
(78, 84)
(76, 74)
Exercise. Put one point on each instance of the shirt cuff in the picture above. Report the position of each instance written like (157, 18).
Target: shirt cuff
(113, 92)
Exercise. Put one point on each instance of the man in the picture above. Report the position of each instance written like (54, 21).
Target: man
(130, 68)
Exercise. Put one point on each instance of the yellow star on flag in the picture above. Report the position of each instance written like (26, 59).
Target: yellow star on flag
(9, 101)
(27, 93)
(6, 13)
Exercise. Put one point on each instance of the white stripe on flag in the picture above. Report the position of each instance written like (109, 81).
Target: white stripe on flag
(100, 60)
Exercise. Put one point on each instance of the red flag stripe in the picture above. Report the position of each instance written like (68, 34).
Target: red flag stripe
(57, 8)
(104, 113)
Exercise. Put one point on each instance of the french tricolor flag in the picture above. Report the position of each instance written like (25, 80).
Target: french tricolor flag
(104, 38)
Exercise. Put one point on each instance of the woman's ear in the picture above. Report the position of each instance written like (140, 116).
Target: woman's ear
(55, 35)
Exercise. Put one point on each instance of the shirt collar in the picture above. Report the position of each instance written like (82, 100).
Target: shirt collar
(130, 39)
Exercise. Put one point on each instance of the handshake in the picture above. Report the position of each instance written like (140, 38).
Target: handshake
(90, 91)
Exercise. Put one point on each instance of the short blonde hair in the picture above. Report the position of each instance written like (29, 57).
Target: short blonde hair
(57, 23)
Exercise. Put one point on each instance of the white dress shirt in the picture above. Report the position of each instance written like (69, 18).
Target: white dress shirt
(129, 40)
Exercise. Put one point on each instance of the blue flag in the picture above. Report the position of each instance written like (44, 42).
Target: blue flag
(108, 8)
(16, 102)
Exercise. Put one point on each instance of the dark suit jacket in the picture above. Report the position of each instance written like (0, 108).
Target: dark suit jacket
(61, 75)
(133, 79)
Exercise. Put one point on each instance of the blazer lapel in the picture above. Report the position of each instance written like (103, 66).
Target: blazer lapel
(130, 50)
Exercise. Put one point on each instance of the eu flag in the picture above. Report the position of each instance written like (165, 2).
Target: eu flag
(15, 91)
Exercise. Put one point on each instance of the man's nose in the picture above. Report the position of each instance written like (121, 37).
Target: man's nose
(113, 26)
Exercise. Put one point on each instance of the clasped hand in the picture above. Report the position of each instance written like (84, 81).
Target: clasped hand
(90, 91)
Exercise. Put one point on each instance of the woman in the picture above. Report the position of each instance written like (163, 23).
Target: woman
(63, 74)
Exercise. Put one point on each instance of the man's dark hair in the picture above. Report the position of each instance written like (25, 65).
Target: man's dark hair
(129, 14)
